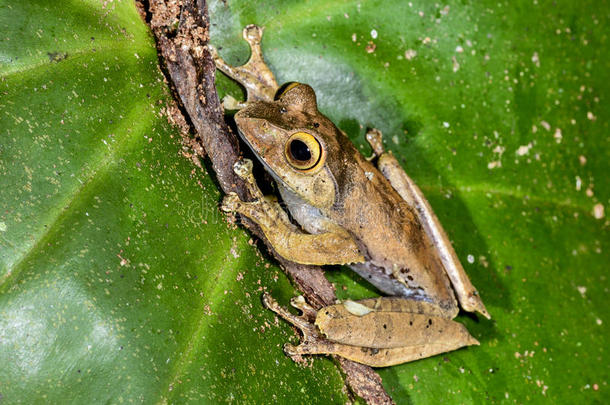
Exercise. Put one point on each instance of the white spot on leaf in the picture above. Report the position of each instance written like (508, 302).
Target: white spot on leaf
(410, 54)
(598, 211)
(524, 149)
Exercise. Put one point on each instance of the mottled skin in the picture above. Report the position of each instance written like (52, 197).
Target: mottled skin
(350, 212)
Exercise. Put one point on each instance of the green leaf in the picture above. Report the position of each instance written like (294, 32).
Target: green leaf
(121, 281)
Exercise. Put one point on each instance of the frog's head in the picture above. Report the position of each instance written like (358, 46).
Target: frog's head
(296, 143)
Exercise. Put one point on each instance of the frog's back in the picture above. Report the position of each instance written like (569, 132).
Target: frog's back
(391, 237)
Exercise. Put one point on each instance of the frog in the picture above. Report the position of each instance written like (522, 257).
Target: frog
(342, 208)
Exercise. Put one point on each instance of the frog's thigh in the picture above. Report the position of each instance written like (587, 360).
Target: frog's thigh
(352, 323)
(292, 244)
(412, 195)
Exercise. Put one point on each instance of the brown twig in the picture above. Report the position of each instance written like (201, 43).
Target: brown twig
(181, 31)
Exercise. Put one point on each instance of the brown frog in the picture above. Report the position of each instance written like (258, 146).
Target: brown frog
(372, 218)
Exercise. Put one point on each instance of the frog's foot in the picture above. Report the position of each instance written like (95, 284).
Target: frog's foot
(313, 341)
(307, 310)
(304, 322)
(375, 139)
(360, 336)
(260, 209)
(228, 101)
(254, 75)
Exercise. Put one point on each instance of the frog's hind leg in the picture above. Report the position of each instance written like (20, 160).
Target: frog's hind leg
(388, 165)
(314, 341)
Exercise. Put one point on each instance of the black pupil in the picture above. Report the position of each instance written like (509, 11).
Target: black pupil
(300, 151)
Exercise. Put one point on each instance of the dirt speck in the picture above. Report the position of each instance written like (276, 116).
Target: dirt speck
(456, 64)
(57, 56)
(410, 54)
(578, 183)
(536, 59)
(524, 149)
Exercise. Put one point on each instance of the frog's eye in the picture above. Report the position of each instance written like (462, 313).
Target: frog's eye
(303, 151)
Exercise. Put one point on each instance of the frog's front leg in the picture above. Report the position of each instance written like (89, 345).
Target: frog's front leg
(388, 165)
(372, 332)
(333, 247)
(254, 75)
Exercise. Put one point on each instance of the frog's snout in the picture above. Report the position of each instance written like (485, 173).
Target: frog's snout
(245, 121)
(256, 132)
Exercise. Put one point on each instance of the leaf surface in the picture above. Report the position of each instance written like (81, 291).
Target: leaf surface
(121, 281)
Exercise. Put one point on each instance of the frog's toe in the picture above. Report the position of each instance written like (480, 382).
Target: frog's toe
(292, 350)
(269, 302)
(243, 168)
(295, 352)
(213, 51)
(230, 103)
(308, 311)
(253, 33)
(375, 139)
(231, 203)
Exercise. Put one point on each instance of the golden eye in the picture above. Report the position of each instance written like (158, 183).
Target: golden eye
(304, 152)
